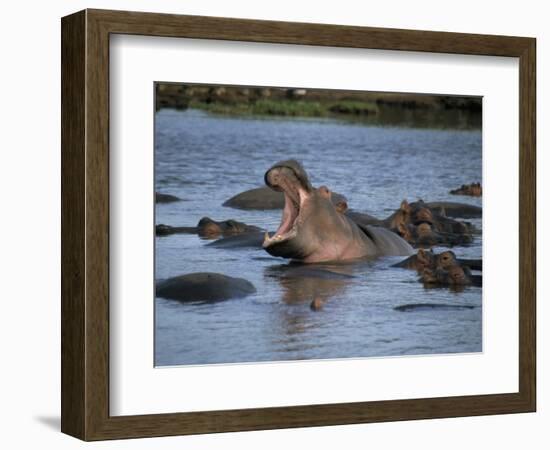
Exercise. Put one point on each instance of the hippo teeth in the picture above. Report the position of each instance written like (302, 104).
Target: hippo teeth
(274, 238)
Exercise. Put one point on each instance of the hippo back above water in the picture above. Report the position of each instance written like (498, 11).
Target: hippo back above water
(313, 230)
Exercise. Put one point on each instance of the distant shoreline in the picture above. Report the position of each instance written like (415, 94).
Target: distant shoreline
(420, 110)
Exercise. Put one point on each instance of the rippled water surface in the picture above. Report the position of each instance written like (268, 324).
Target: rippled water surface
(206, 159)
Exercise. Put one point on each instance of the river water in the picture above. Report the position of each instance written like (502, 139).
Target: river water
(205, 159)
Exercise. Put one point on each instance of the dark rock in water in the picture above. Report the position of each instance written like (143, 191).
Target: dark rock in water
(204, 287)
(431, 307)
(166, 198)
(265, 198)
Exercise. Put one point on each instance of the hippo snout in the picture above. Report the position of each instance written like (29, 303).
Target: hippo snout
(290, 169)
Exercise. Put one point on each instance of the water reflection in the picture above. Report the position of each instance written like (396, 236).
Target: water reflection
(305, 282)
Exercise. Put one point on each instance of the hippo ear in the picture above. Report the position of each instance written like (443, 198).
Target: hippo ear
(342, 206)
(405, 207)
(402, 229)
(325, 192)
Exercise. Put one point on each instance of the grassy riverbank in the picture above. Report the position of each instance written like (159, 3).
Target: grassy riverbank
(287, 107)
(371, 107)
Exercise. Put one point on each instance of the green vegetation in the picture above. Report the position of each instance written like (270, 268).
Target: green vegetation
(288, 107)
(375, 108)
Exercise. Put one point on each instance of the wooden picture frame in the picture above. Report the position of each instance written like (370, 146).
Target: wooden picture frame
(85, 224)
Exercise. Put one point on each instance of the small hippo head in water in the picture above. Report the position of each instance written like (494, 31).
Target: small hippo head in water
(211, 228)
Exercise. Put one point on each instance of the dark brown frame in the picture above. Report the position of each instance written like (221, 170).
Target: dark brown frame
(85, 224)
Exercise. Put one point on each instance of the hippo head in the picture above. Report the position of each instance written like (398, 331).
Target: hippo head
(308, 213)
(208, 227)
(446, 259)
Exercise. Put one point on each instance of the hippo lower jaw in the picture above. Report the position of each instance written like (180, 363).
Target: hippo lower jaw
(278, 238)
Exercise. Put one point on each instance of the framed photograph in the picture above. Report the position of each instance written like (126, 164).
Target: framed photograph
(273, 225)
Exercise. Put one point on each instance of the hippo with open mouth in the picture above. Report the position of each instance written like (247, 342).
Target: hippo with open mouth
(313, 230)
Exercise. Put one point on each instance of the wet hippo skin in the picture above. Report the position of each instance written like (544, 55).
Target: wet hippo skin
(166, 198)
(313, 230)
(454, 209)
(427, 259)
(265, 198)
(203, 287)
(472, 189)
(246, 240)
(423, 235)
(208, 228)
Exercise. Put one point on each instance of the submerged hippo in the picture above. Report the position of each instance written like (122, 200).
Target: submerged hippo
(434, 214)
(472, 189)
(361, 218)
(265, 198)
(423, 235)
(420, 212)
(454, 275)
(204, 287)
(427, 259)
(454, 209)
(208, 228)
(253, 239)
(312, 230)
(166, 198)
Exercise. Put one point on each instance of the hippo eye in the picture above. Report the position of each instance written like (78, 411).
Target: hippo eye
(231, 223)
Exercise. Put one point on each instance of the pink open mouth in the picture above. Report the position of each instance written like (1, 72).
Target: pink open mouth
(291, 212)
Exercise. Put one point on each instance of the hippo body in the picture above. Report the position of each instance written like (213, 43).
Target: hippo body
(166, 198)
(312, 229)
(203, 287)
(472, 189)
(454, 209)
(264, 198)
(246, 240)
(208, 228)
(361, 218)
